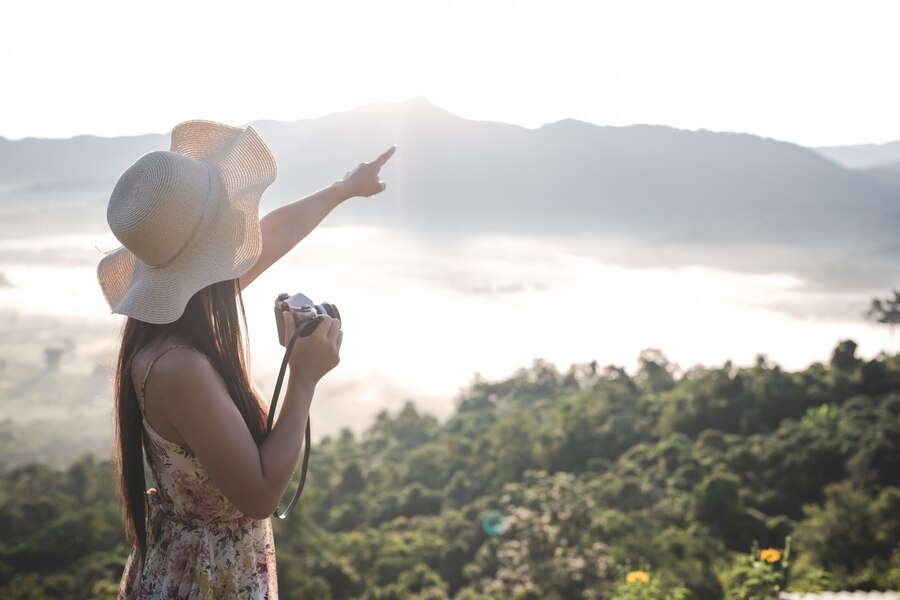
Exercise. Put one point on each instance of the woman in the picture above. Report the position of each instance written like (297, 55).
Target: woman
(188, 222)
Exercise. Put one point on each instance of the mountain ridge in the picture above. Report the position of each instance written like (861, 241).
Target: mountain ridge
(700, 196)
(862, 156)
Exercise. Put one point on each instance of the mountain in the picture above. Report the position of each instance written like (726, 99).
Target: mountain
(666, 196)
(888, 173)
(82, 159)
(862, 156)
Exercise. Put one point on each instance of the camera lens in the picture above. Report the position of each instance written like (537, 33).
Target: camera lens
(331, 310)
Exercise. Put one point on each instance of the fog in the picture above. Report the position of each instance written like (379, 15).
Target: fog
(422, 316)
(493, 246)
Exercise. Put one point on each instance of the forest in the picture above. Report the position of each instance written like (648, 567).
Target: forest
(708, 483)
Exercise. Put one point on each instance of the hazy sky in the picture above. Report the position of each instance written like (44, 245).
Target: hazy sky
(813, 72)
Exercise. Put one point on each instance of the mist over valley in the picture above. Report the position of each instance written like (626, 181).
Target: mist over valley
(494, 245)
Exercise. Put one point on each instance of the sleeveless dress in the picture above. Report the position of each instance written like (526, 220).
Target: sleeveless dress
(199, 545)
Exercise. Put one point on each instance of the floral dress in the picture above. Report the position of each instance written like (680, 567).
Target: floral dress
(199, 545)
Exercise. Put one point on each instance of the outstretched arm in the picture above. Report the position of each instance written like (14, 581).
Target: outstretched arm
(284, 227)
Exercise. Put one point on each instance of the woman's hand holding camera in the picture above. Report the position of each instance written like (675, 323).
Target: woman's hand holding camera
(316, 354)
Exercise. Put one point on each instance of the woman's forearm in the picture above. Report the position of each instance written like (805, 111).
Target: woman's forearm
(281, 450)
(284, 227)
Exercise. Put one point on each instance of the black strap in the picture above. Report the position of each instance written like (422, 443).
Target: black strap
(271, 422)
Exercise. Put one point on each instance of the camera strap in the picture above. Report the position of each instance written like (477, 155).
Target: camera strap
(284, 363)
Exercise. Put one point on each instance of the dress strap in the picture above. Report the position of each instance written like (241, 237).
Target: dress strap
(153, 362)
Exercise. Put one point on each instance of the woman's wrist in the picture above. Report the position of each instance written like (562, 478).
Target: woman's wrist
(298, 384)
(341, 191)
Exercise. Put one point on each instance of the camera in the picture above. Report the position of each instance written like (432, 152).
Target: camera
(307, 314)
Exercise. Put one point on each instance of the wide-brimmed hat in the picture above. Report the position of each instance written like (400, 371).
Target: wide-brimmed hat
(186, 218)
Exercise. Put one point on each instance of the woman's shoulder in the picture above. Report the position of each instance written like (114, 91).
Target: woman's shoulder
(172, 356)
(179, 376)
(166, 375)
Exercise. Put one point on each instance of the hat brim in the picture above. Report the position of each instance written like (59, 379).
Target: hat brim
(226, 246)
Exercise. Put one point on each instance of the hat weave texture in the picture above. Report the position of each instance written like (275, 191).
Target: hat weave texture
(187, 218)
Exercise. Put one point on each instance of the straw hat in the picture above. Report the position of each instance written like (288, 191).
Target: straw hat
(187, 218)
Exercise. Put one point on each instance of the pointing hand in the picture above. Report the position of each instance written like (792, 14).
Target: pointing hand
(363, 180)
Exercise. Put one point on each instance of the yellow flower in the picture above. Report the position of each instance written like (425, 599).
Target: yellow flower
(637, 577)
(770, 555)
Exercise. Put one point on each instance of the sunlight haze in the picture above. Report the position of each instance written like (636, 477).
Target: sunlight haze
(813, 73)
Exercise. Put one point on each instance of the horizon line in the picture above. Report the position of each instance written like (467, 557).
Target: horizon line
(421, 98)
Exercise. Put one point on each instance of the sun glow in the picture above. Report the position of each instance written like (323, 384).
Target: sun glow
(811, 73)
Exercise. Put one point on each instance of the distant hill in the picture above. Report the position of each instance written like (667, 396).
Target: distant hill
(887, 173)
(82, 159)
(862, 156)
(671, 196)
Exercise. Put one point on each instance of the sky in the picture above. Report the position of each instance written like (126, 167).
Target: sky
(811, 72)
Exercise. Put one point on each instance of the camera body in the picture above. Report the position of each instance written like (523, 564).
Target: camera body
(307, 314)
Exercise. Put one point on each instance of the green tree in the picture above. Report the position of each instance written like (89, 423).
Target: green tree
(886, 311)
(844, 356)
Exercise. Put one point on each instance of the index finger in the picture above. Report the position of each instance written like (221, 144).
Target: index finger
(384, 156)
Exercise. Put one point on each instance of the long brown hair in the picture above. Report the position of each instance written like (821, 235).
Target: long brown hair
(212, 324)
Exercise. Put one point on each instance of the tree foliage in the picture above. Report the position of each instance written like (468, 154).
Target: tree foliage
(886, 311)
(591, 483)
